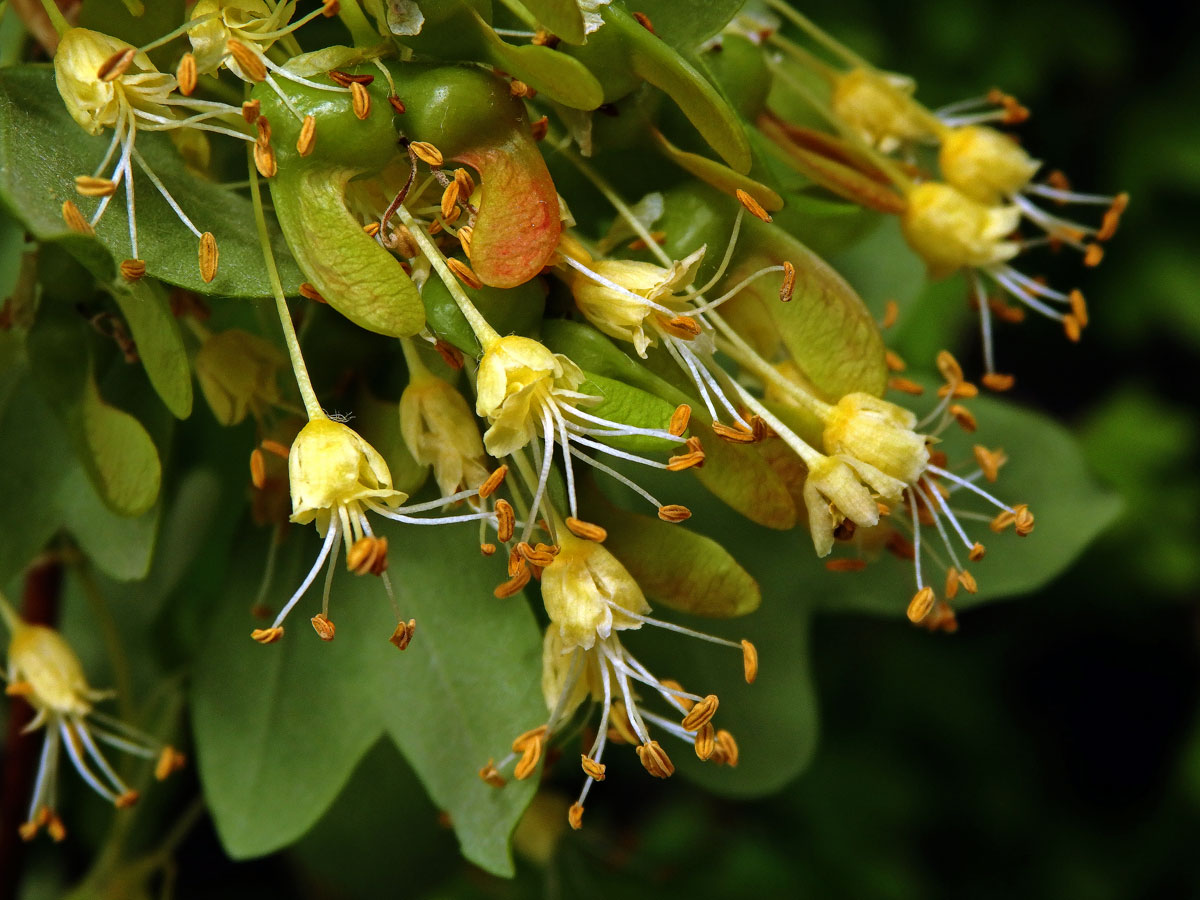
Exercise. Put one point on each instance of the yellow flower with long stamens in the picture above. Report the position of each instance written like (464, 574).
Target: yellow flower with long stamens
(44, 670)
(107, 83)
(336, 478)
(590, 597)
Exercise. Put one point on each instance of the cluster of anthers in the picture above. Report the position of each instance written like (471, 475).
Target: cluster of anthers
(967, 216)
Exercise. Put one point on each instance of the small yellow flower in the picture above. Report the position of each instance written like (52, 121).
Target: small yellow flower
(585, 589)
(44, 670)
(951, 231)
(236, 371)
(97, 104)
(336, 478)
(879, 106)
(518, 383)
(878, 433)
(619, 295)
(440, 431)
(986, 165)
(589, 597)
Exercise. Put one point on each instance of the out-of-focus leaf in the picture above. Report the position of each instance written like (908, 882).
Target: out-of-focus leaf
(675, 566)
(159, 342)
(262, 715)
(41, 152)
(120, 546)
(113, 17)
(113, 446)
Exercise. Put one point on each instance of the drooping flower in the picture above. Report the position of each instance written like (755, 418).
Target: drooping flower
(336, 479)
(237, 374)
(529, 394)
(590, 597)
(44, 670)
(107, 83)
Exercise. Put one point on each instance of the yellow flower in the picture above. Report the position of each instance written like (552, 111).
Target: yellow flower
(987, 166)
(878, 433)
(96, 103)
(619, 295)
(106, 83)
(880, 107)
(336, 479)
(43, 669)
(440, 431)
(951, 231)
(236, 371)
(589, 597)
(517, 384)
(334, 472)
(585, 589)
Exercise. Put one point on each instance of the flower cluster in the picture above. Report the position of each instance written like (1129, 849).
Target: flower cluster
(521, 351)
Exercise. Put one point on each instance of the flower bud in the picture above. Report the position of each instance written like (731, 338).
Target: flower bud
(951, 231)
(39, 657)
(880, 107)
(985, 164)
(236, 371)
(440, 431)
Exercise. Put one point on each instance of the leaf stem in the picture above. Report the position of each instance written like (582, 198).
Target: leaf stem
(312, 406)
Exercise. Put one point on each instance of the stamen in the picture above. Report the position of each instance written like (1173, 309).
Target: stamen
(701, 714)
(464, 273)
(323, 627)
(788, 286)
(133, 269)
(989, 461)
(116, 65)
(594, 769)
(308, 136)
(427, 153)
(491, 775)
(920, 605)
(749, 661)
(74, 219)
(91, 186)
(209, 257)
(586, 530)
(752, 206)
(674, 513)
(575, 816)
(169, 760)
(679, 420)
(360, 100)
(655, 760)
(403, 634)
(250, 62)
(891, 312)
(995, 381)
(186, 74)
(726, 753)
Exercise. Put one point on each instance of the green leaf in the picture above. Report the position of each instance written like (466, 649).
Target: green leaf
(558, 76)
(279, 729)
(156, 333)
(113, 17)
(685, 24)
(630, 406)
(120, 546)
(42, 150)
(675, 566)
(351, 271)
(113, 446)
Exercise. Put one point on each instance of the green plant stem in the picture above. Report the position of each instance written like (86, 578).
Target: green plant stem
(312, 406)
(57, 19)
(356, 23)
(484, 332)
(122, 679)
